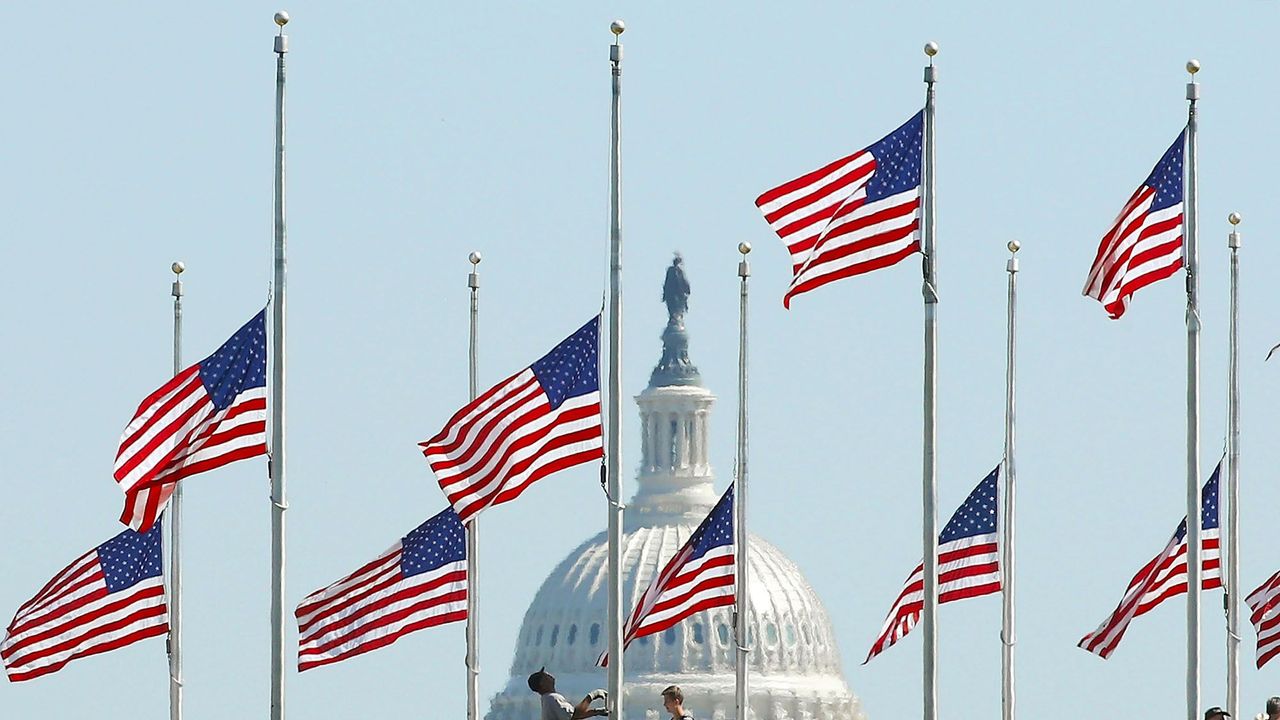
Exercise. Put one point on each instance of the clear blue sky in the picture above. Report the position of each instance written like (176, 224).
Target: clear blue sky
(138, 134)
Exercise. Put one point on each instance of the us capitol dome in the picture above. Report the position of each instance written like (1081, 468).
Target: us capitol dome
(795, 665)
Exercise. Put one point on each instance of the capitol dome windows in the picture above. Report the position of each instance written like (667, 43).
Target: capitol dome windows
(669, 636)
(573, 634)
(722, 631)
(538, 640)
(697, 633)
(595, 634)
(555, 633)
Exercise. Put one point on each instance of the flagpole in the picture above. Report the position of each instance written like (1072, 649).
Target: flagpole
(1233, 477)
(473, 532)
(277, 466)
(614, 450)
(742, 606)
(1193, 407)
(930, 491)
(1008, 637)
(175, 533)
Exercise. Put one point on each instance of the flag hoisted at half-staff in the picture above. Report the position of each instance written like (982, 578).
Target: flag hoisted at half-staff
(857, 214)
(1144, 243)
(211, 414)
(1165, 576)
(698, 577)
(543, 419)
(1265, 604)
(968, 563)
(110, 597)
(420, 582)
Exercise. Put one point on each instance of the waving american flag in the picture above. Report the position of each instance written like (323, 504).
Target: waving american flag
(857, 214)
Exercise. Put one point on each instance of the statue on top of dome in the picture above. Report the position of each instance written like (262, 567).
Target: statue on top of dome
(675, 292)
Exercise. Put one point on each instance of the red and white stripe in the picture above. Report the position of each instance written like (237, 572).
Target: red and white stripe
(492, 449)
(1162, 578)
(1265, 603)
(74, 616)
(375, 606)
(830, 229)
(1141, 247)
(680, 590)
(177, 432)
(967, 568)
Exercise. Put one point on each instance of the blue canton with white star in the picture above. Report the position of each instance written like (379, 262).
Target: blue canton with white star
(898, 158)
(239, 365)
(977, 516)
(130, 558)
(1208, 505)
(572, 368)
(433, 544)
(1166, 178)
(716, 530)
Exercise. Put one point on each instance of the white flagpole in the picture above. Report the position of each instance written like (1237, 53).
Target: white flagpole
(742, 606)
(473, 532)
(1008, 637)
(613, 463)
(174, 514)
(278, 503)
(930, 490)
(1193, 407)
(1233, 477)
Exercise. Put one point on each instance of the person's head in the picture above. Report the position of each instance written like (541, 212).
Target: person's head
(1216, 713)
(673, 699)
(1273, 705)
(542, 682)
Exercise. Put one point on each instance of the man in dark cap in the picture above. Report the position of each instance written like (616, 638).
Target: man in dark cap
(556, 707)
(1216, 713)
(1273, 707)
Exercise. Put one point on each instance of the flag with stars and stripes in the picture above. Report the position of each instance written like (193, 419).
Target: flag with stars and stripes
(699, 577)
(1144, 243)
(110, 597)
(543, 419)
(968, 563)
(1265, 604)
(857, 214)
(211, 414)
(419, 583)
(1165, 576)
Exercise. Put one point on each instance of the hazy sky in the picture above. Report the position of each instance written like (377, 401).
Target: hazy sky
(139, 134)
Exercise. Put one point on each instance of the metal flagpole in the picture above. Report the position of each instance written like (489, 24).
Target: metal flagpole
(614, 443)
(1193, 408)
(930, 513)
(278, 504)
(473, 532)
(1008, 637)
(1233, 477)
(741, 610)
(174, 513)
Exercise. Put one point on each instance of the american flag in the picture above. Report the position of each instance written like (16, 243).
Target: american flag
(1165, 576)
(699, 577)
(110, 597)
(543, 419)
(968, 563)
(857, 214)
(1266, 618)
(211, 414)
(1145, 242)
(419, 583)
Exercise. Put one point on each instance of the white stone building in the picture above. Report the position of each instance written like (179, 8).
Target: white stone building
(795, 665)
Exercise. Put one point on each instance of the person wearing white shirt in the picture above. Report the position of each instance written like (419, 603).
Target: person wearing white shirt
(556, 707)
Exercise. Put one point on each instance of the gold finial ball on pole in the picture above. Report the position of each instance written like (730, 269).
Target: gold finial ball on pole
(744, 247)
(178, 267)
(474, 257)
(931, 48)
(1234, 218)
(617, 27)
(1014, 246)
(1193, 66)
(282, 18)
